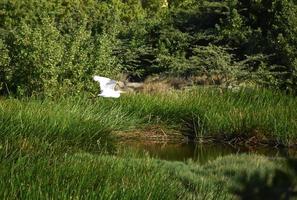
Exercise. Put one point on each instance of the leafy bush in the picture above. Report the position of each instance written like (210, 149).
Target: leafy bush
(37, 55)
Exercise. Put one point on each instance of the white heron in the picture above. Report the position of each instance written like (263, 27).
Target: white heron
(107, 87)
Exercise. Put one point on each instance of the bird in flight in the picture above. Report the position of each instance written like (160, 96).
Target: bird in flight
(107, 87)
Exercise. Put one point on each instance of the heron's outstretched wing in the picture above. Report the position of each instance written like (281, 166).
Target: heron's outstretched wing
(105, 83)
(110, 85)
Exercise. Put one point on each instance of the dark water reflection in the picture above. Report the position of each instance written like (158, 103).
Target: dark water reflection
(200, 152)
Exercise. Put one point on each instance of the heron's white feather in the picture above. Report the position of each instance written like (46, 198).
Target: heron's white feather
(107, 87)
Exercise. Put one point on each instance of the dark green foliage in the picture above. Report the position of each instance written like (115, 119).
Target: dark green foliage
(54, 47)
(265, 27)
(5, 71)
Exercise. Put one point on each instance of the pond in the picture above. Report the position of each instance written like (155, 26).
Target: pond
(199, 152)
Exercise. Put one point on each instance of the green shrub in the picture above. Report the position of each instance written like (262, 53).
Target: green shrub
(37, 54)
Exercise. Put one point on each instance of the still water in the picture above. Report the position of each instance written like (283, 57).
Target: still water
(199, 152)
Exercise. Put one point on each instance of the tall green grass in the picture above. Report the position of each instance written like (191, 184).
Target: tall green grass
(199, 113)
(210, 112)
